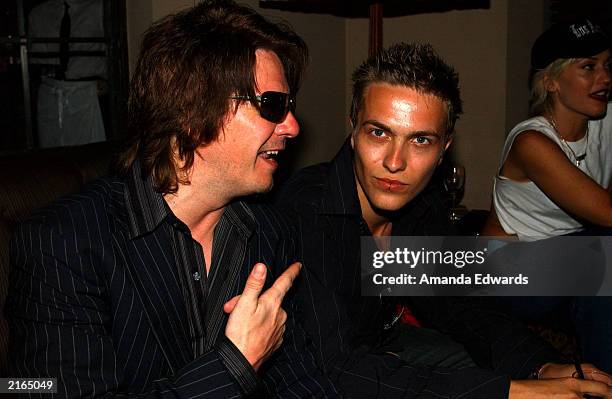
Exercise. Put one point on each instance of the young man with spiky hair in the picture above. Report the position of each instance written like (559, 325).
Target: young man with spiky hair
(164, 281)
(405, 104)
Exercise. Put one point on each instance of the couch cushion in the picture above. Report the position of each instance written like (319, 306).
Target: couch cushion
(31, 180)
(35, 179)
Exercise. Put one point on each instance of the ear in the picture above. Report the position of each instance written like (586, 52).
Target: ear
(550, 84)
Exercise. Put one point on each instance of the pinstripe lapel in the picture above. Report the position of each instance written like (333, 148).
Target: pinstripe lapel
(225, 286)
(156, 281)
(153, 272)
(229, 250)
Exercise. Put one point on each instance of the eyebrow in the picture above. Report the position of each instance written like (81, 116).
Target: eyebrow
(415, 133)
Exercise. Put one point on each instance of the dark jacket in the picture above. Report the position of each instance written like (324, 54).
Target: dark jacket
(347, 327)
(96, 301)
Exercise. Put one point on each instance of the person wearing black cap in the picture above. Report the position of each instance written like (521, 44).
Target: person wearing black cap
(555, 171)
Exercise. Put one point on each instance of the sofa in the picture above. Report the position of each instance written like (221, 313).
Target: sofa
(31, 180)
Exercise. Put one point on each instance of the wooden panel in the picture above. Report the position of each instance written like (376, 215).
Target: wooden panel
(376, 23)
(360, 8)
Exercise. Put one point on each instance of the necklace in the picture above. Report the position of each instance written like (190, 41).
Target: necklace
(577, 158)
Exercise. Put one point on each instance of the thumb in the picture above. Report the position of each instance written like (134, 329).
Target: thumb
(255, 282)
(229, 306)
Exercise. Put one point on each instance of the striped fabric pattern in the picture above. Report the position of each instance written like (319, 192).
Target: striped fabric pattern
(99, 299)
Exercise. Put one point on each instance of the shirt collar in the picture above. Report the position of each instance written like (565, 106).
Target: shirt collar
(147, 209)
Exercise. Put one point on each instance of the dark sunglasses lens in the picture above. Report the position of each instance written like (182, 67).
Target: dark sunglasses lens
(275, 105)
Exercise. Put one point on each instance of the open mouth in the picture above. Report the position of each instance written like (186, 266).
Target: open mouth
(601, 95)
(273, 154)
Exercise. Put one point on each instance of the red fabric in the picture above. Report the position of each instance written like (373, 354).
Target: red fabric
(407, 316)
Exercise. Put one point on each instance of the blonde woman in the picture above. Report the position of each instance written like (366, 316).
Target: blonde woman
(555, 171)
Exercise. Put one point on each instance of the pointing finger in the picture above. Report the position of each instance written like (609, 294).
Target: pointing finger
(285, 280)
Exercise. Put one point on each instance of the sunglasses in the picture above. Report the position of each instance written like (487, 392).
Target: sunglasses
(273, 105)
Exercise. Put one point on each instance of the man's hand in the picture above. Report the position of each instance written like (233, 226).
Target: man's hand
(558, 381)
(552, 370)
(257, 322)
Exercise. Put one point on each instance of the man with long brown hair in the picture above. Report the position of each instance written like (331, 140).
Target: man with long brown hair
(163, 281)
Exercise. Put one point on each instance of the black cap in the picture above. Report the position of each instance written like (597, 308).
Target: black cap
(578, 39)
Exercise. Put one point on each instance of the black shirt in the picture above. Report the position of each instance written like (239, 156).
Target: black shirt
(348, 328)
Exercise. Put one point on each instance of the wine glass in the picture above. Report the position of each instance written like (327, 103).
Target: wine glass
(454, 180)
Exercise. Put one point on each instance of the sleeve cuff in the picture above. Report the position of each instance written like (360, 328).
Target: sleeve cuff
(238, 367)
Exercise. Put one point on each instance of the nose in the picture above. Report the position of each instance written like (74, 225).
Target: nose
(289, 127)
(395, 158)
(607, 76)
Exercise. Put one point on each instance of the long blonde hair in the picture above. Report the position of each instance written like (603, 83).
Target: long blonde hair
(541, 100)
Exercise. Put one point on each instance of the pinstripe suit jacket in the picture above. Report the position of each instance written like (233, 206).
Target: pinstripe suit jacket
(96, 302)
(347, 328)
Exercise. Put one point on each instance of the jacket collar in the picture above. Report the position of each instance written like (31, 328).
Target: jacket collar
(146, 208)
(342, 188)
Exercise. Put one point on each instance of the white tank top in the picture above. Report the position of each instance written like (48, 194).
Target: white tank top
(523, 209)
